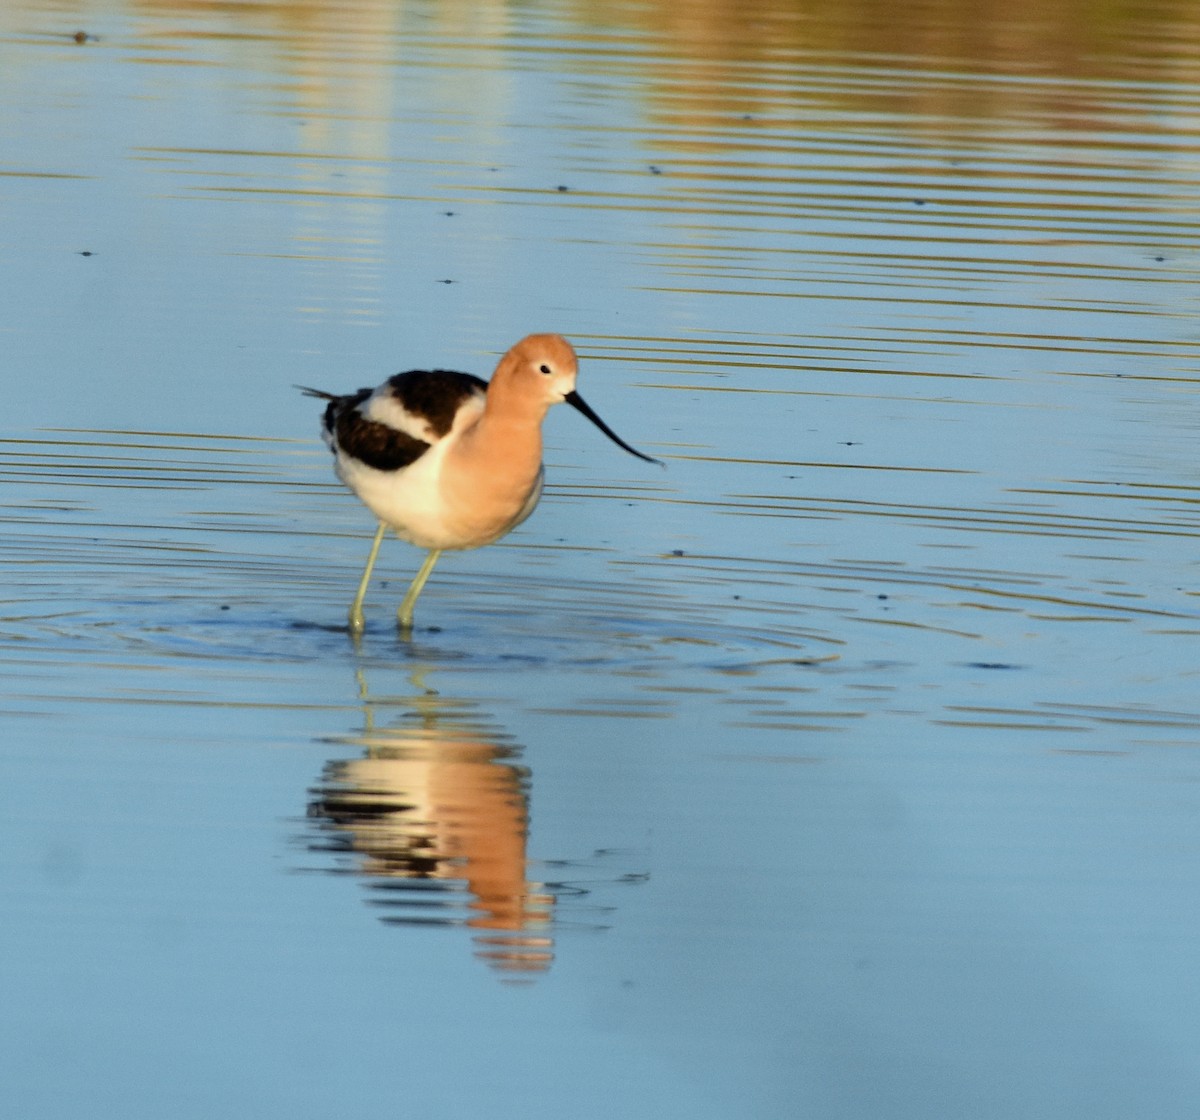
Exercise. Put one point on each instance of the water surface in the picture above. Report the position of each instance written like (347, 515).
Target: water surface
(845, 768)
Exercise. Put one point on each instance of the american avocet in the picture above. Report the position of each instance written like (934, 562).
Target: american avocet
(447, 460)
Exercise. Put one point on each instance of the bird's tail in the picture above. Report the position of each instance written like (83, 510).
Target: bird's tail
(320, 394)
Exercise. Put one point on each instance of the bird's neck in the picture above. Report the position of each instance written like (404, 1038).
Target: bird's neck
(501, 454)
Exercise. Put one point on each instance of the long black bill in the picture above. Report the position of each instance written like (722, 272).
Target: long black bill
(580, 405)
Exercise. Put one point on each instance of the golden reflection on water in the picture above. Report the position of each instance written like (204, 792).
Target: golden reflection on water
(813, 150)
(705, 50)
(1013, 36)
(437, 802)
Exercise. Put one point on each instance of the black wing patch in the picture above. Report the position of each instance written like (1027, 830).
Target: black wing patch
(435, 395)
(369, 441)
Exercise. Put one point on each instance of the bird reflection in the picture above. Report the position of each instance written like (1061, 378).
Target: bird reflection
(435, 813)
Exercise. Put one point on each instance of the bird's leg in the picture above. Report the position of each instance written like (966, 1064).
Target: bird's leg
(404, 616)
(357, 622)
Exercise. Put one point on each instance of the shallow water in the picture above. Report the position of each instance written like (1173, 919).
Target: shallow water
(844, 768)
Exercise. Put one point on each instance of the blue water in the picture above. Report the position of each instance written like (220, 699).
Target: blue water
(845, 768)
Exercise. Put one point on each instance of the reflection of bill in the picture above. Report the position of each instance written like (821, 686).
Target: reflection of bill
(433, 807)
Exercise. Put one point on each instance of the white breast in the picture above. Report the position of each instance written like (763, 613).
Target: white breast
(410, 500)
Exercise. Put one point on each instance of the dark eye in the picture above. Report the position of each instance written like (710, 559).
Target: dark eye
(543, 368)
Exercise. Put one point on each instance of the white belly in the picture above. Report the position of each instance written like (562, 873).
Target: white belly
(411, 502)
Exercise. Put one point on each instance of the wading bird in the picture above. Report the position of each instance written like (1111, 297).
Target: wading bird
(447, 460)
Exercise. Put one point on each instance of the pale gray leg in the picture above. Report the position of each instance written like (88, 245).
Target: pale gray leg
(404, 616)
(357, 622)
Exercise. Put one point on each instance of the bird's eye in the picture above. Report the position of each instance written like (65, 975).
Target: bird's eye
(543, 368)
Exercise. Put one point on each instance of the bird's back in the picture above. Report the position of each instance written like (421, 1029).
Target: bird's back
(390, 445)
